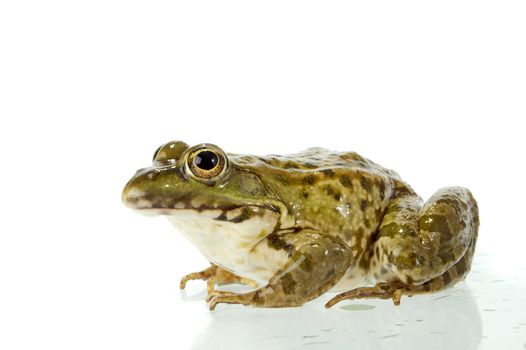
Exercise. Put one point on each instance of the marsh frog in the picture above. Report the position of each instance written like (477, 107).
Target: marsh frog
(296, 226)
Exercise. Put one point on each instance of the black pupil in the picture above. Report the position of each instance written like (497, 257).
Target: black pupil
(206, 160)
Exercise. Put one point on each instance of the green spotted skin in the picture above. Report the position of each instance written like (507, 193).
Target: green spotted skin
(341, 194)
(321, 220)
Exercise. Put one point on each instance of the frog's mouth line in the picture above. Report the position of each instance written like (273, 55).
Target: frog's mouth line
(232, 214)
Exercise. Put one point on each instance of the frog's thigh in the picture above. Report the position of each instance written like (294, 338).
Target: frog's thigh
(420, 250)
(316, 263)
(417, 245)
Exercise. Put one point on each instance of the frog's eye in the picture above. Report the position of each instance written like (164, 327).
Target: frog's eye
(206, 163)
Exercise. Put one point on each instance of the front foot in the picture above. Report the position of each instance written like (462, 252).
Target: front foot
(379, 291)
(216, 275)
(201, 275)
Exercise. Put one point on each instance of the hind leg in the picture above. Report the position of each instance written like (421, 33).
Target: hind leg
(421, 249)
(395, 289)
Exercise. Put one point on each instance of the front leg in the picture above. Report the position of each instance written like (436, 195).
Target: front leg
(316, 263)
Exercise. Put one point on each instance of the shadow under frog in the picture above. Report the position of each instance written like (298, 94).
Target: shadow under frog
(446, 320)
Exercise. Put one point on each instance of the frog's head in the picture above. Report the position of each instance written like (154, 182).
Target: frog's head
(200, 189)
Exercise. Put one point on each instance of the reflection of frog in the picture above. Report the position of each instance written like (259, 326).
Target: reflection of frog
(302, 224)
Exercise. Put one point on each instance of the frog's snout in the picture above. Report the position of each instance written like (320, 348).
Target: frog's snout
(133, 195)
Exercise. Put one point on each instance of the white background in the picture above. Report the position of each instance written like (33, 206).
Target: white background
(89, 90)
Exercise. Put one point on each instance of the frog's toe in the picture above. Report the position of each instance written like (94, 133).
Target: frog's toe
(380, 291)
(190, 277)
(228, 298)
(216, 293)
(248, 282)
(206, 274)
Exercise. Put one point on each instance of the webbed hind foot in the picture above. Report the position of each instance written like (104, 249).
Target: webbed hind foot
(379, 291)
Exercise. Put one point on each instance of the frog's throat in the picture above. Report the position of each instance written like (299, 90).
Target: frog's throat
(233, 239)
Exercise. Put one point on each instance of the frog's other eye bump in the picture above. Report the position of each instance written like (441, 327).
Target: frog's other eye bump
(206, 163)
(156, 152)
(169, 153)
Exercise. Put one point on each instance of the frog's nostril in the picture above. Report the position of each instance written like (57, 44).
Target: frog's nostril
(152, 174)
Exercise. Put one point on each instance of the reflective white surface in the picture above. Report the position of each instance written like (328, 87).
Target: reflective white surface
(484, 312)
(89, 89)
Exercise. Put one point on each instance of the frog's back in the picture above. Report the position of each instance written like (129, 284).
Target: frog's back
(341, 193)
(312, 160)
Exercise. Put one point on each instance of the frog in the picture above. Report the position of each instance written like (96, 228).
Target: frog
(293, 227)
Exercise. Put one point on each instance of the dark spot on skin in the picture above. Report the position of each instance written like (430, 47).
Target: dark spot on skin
(308, 180)
(277, 243)
(246, 214)
(402, 191)
(281, 178)
(290, 165)
(222, 217)
(328, 172)
(257, 299)
(381, 189)
(307, 264)
(305, 194)
(363, 204)
(329, 190)
(374, 236)
(345, 181)
(337, 195)
(366, 184)
(367, 223)
(359, 235)
(420, 260)
(461, 266)
(378, 214)
(288, 284)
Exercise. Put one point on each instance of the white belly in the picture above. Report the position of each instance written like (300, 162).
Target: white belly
(238, 247)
